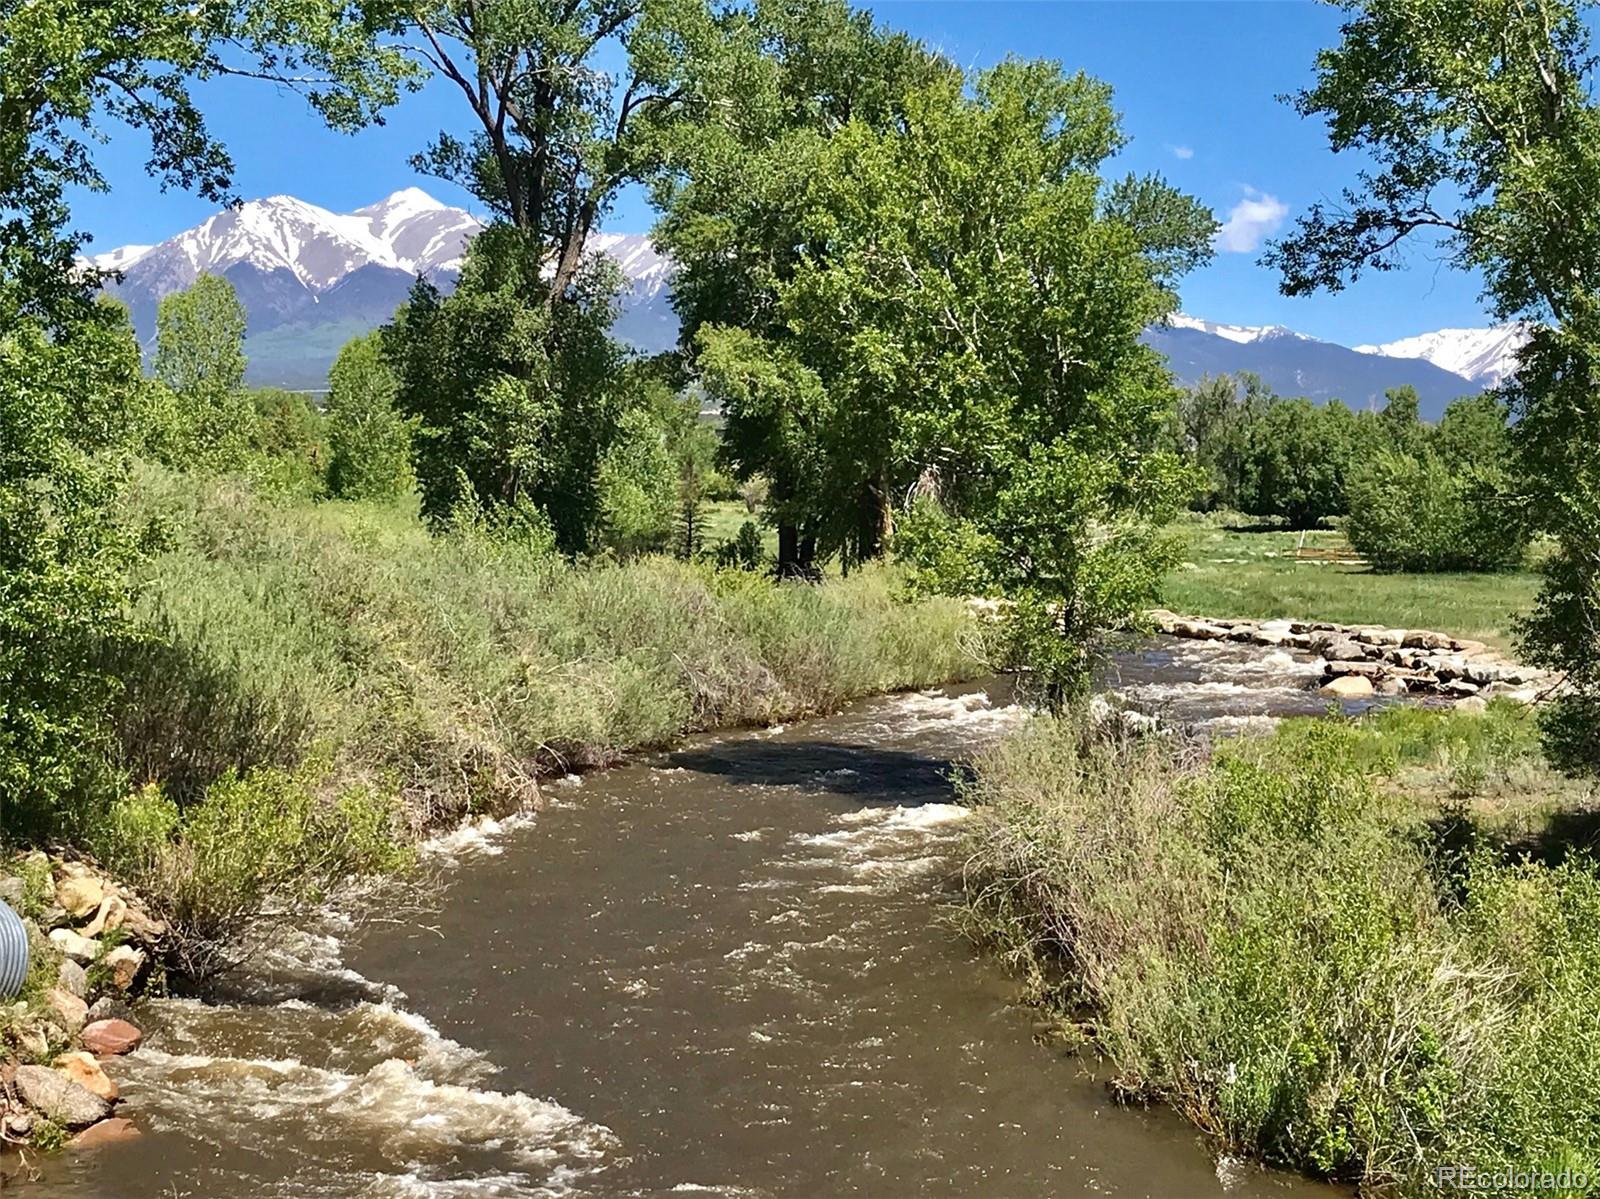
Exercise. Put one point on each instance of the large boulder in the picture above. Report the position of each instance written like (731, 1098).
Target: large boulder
(1336, 647)
(107, 1038)
(124, 963)
(1370, 669)
(1198, 630)
(1348, 686)
(108, 918)
(79, 896)
(1423, 639)
(108, 1132)
(56, 1097)
(80, 949)
(73, 978)
(68, 1010)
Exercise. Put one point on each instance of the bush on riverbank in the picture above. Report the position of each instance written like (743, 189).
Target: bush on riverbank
(1421, 513)
(314, 685)
(1348, 949)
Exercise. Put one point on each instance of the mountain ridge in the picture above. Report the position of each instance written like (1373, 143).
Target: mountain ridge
(304, 272)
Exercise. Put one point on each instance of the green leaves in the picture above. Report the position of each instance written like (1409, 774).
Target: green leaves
(63, 583)
(369, 441)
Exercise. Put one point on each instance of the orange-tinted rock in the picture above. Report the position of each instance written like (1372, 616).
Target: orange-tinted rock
(86, 1072)
(111, 1037)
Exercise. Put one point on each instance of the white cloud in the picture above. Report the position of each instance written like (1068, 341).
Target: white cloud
(1182, 151)
(1250, 222)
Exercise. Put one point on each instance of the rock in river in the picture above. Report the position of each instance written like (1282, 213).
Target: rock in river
(54, 1095)
(1349, 686)
(111, 1037)
(86, 1072)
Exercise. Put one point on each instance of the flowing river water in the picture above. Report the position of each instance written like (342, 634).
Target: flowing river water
(726, 970)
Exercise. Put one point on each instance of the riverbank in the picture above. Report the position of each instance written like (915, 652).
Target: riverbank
(750, 925)
(310, 690)
(93, 947)
(1365, 950)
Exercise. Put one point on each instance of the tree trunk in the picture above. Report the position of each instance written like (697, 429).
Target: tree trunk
(788, 552)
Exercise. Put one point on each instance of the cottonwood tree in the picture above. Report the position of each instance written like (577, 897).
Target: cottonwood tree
(369, 442)
(965, 314)
(515, 402)
(732, 186)
(200, 357)
(1480, 122)
(513, 378)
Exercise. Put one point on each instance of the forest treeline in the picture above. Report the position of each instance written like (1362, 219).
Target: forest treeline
(1413, 495)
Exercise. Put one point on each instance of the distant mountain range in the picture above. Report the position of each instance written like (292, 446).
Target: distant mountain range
(311, 279)
(1442, 366)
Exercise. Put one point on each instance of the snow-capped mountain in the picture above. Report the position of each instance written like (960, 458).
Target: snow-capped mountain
(1485, 356)
(310, 278)
(1241, 334)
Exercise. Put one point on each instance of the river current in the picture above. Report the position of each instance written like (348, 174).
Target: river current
(727, 970)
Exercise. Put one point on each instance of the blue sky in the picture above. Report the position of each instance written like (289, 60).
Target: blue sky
(1197, 83)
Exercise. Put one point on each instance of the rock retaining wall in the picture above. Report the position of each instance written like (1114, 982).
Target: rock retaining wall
(93, 947)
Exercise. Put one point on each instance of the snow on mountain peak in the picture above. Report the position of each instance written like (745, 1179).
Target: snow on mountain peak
(1243, 334)
(1485, 356)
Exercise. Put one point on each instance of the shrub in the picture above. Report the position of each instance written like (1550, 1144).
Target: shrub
(258, 851)
(639, 486)
(744, 550)
(1417, 513)
(288, 441)
(1264, 939)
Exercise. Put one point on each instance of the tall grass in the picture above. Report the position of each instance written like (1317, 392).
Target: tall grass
(1285, 944)
(462, 665)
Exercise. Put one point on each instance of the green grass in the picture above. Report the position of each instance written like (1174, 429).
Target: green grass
(1262, 575)
(1359, 950)
(723, 520)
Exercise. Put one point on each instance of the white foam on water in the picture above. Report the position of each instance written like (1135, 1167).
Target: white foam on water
(414, 1185)
(392, 1108)
(972, 711)
(478, 837)
(880, 846)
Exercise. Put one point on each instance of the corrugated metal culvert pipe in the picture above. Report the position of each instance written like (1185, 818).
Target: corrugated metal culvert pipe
(13, 951)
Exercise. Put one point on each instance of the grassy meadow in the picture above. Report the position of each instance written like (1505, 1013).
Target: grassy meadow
(1232, 570)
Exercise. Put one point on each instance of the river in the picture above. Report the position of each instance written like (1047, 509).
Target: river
(727, 970)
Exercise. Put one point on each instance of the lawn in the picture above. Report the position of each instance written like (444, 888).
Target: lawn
(1231, 571)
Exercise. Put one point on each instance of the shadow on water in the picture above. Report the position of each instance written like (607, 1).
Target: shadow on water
(878, 774)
